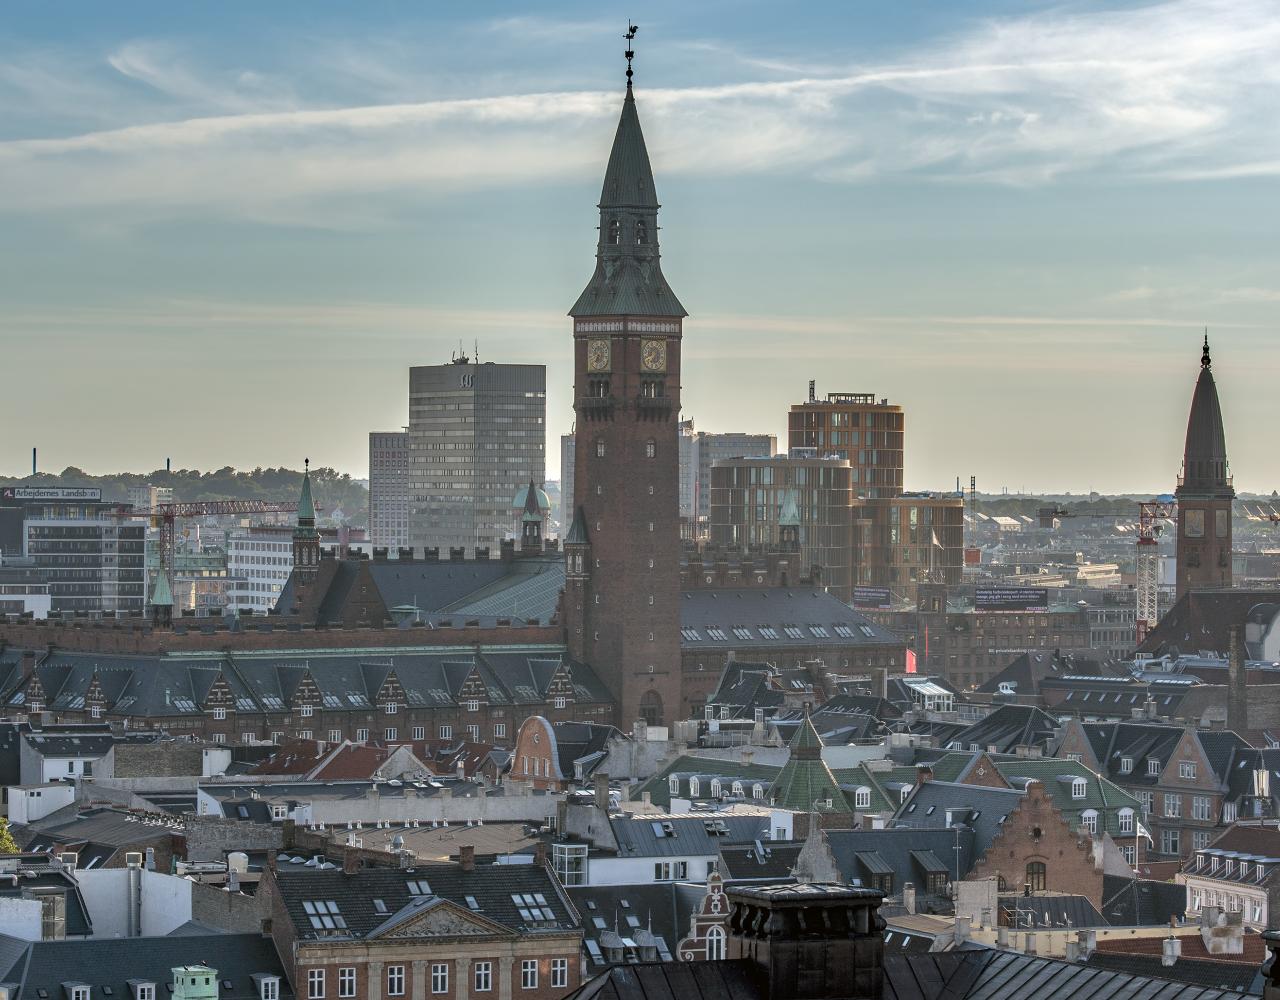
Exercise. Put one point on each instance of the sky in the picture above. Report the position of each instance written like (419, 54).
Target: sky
(227, 230)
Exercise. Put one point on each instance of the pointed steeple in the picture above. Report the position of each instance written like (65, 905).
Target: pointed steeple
(1205, 471)
(628, 277)
(306, 540)
(578, 530)
(532, 511)
(805, 783)
(306, 507)
(162, 600)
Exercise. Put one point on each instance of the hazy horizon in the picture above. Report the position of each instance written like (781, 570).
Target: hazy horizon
(229, 232)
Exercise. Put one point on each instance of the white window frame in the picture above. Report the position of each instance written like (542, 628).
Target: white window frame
(529, 974)
(219, 713)
(315, 984)
(362, 736)
(1125, 820)
(1187, 769)
(559, 973)
(446, 732)
(1153, 768)
(499, 730)
(419, 732)
(1079, 788)
(306, 711)
(439, 977)
(395, 980)
(862, 798)
(347, 982)
(559, 701)
(482, 980)
(269, 989)
(391, 734)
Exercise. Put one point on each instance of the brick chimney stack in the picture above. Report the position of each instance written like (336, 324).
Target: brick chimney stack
(467, 857)
(350, 861)
(813, 941)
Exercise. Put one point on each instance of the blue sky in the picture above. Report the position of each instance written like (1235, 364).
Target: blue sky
(227, 230)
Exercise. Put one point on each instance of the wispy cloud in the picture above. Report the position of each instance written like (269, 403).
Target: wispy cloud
(1172, 90)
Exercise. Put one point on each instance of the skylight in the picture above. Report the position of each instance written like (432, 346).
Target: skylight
(532, 907)
(324, 914)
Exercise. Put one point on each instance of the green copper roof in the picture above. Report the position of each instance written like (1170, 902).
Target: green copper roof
(306, 527)
(805, 783)
(628, 278)
(162, 596)
(578, 530)
(789, 516)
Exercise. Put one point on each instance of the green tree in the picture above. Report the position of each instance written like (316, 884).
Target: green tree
(7, 845)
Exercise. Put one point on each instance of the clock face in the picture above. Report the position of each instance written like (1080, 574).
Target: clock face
(653, 355)
(598, 356)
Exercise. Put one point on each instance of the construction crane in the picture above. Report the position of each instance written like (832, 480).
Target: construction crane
(163, 517)
(1147, 570)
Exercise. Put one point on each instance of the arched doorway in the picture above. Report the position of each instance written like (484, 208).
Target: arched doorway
(651, 708)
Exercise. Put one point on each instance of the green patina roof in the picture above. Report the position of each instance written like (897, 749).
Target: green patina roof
(628, 278)
(578, 530)
(1100, 794)
(659, 786)
(162, 596)
(805, 781)
(306, 509)
(789, 516)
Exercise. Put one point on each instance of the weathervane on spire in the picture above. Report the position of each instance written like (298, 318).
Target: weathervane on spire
(1204, 355)
(630, 53)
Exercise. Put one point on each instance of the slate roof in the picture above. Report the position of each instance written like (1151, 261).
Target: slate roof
(1008, 727)
(1112, 742)
(1028, 671)
(861, 854)
(766, 859)
(45, 965)
(662, 908)
(95, 834)
(743, 688)
(981, 974)
(775, 608)
(356, 895)
(1133, 902)
(1200, 621)
(982, 809)
(265, 681)
(1235, 979)
(1049, 911)
(581, 741)
(691, 834)
(71, 741)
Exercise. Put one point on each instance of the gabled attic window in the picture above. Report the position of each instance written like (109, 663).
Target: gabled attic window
(1153, 768)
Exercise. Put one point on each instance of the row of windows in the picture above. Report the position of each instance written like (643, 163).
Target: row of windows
(481, 981)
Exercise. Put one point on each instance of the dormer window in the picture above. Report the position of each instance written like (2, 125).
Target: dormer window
(642, 233)
(673, 784)
(269, 988)
(613, 233)
(1078, 788)
(1153, 768)
(1126, 765)
(144, 991)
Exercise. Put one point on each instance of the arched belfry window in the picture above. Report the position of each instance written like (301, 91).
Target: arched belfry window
(614, 233)
(642, 233)
(599, 447)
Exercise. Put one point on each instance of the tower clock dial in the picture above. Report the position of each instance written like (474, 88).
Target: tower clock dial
(598, 356)
(653, 355)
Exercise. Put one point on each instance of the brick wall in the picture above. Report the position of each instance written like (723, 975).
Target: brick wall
(137, 760)
(231, 912)
(1036, 832)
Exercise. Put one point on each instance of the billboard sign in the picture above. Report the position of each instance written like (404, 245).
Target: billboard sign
(871, 597)
(1011, 598)
(50, 493)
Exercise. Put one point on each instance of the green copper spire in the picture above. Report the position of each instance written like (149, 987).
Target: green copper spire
(628, 277)
(306, 527)
(805, 782)
(161, 595)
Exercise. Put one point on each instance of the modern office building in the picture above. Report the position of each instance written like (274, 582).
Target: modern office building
(259, 561)
(477, 434)
(854, 426)
(567, 460)
(699, 451)
(93, 560)
(889, 544)
(389, 488)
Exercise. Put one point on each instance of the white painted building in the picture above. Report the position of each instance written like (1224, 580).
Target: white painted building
(259, 561)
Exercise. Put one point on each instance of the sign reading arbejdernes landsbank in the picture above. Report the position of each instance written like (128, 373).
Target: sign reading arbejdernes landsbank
(1011, 598)
(50, 493)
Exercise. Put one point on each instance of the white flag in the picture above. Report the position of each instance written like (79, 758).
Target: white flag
(1144, 832)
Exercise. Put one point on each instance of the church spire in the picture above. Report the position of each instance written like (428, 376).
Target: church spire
(628, 277)
(306, 540)
(1205, 471)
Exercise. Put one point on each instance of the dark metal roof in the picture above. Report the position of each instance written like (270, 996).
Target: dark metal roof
(1205, 472)
(751, 608)
(663, 909)
(46, 965)
(356, 896)
(688, 834)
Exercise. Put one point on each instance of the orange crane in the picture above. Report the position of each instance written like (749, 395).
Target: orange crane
(164, 515)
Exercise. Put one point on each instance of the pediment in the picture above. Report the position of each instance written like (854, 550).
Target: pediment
(439, 918)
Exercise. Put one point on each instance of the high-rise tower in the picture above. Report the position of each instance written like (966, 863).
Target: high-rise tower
(622, 595)
(1204, 493)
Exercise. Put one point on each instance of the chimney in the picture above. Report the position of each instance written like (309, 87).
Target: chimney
(1237, 696)
(923, 773)
(288, 835)
(233, 880)
(540, 854)
(810, 942)
(350, 861)
(909, 897)
(1073, 950)
(1031, 944)
(601, 792)
(1172, 951)
(28, 663)
(1002, 937)
(467, 856)
(963, 927)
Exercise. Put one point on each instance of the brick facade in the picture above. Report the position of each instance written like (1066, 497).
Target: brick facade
(1034, 834)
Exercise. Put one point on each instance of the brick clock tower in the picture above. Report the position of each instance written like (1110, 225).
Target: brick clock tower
(1205, 492)
(622, 553)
